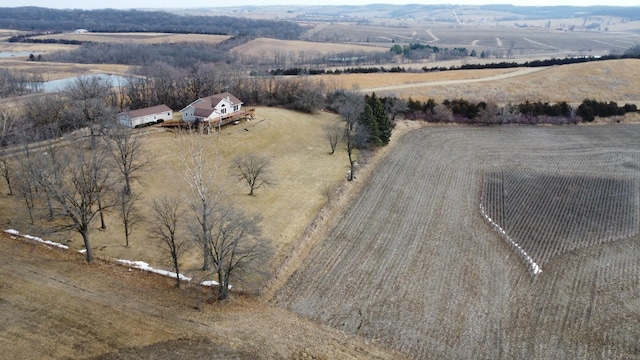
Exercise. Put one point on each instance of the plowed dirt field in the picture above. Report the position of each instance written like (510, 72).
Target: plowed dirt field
(414, 265)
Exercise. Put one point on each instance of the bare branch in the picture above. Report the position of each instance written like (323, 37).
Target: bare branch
(254, 169)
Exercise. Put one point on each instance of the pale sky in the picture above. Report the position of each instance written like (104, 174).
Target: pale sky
(129, 4)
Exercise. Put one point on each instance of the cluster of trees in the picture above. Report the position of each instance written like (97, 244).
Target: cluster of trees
(162, 83)
(540, 108)
(88, 100)
(629, 54)
(29, 38)
(71, 183)
(464, 111)
(352, 70)
(181, 55)
(417, 51)
(110, 20)
(590, 108)
(17, 83)
(187, 54)
(368, 123)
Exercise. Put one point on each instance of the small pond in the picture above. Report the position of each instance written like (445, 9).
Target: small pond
(57, 85)
(8, 54)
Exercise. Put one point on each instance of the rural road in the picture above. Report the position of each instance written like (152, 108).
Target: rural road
(516, 73)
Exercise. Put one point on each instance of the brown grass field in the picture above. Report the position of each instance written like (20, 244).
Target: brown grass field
(264, 46)
(301, 169)
(604, 80)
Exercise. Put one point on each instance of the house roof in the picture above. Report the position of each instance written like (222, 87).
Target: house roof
(147, 111)
(203, 107)
(214, 100)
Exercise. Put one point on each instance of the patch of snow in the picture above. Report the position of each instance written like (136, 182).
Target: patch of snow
(533, 266)
(141, 265)
(37, 239)
(145, 267)
(134, 264)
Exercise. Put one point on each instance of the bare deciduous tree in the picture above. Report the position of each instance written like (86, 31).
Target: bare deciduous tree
(489, 114)
(7, 165)
(236, 248)
(26, 190)
(129, 213)
(442, 113)
(203, 191)
(333, 133)
(6, 169)
(74, 183)
(166, 228)
(330, 190)
(350, 106)
(254, 169)
(7, 125)
(129, 154)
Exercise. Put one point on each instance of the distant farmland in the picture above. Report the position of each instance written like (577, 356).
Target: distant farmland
(414, 265)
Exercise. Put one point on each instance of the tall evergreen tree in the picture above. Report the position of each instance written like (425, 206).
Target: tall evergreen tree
(375, 121)
(367, 120)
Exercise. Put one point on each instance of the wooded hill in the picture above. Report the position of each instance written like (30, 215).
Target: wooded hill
(109, 20)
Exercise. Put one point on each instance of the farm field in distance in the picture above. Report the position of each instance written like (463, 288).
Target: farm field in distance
(610, 80)
(426, 274)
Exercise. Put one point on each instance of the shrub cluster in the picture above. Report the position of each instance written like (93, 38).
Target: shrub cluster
(352, 70)
(463, 111)
(589, 109)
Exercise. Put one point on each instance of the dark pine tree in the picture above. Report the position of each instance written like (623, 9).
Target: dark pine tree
(375, 118)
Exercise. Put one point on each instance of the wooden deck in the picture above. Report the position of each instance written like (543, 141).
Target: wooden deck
(248, 114)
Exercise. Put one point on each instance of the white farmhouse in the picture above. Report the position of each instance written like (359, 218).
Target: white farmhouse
(145, 116)
(214, 110)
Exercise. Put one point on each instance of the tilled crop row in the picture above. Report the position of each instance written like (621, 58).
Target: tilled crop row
(413, 265)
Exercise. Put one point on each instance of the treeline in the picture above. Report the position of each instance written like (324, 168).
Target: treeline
(176, 87)
(352, 70)
(464, 111)
(633, 53)
(188, 54)
(416, 51)
(590, 108)
(110, 20)
(179, 55)
(17, 83)
(29, 38)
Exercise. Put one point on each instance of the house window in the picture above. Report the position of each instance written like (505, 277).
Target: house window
(235, 107)
(223, 110)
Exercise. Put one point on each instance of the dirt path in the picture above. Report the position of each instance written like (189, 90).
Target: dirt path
(435, 38)
(513, 74)
(539, 43)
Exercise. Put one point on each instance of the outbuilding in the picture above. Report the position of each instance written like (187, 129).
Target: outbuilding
(145, 116)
